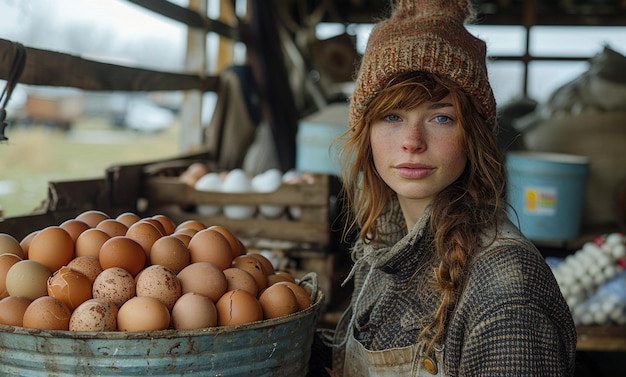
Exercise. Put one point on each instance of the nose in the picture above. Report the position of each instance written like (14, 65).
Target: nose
(414, 139)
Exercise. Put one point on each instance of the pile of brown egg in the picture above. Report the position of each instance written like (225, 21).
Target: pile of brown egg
(99, 273)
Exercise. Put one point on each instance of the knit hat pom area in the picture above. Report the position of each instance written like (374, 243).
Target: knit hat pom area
(458, 10)
(427, 36)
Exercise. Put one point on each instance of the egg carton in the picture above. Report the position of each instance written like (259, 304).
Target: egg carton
(586, 277)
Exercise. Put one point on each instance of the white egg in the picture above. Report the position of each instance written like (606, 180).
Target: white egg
(237, 181)
(292, 176)
(614, 239)
(269, 181)
(618, 314)
(295, 212)
(578, 311)
(213, 183)
(209, 182)
(598, 279)
(600, 317)
(586, 281)
(586, 319)
(618, 251)
(592, 248)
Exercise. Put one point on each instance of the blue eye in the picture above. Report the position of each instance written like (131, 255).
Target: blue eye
(392, 118)
(442, 119)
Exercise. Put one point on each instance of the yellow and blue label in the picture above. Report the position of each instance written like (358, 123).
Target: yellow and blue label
(540, 200)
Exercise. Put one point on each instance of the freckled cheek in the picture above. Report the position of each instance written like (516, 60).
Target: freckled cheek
(381, 146)
(457, 159)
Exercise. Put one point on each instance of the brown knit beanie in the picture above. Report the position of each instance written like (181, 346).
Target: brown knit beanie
(428, 36)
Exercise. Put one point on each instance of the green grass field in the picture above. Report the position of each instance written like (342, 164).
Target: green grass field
(36, 155)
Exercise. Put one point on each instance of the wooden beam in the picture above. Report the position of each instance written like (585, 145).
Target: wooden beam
(189, 17)
(49, 68)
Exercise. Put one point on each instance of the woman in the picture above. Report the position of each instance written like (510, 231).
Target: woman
(444, 283)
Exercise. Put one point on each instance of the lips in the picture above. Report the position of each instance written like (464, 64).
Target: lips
(414, 171)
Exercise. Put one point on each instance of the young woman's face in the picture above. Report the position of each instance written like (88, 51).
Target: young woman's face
(418, 152)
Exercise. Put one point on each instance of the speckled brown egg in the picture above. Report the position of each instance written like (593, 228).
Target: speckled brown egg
(94, 315)
(159, 282)
(115, 285)
(88, 265)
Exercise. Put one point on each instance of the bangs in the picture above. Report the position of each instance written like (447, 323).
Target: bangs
(407, 92)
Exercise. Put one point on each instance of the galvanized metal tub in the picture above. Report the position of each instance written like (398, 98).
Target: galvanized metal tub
(276, 347)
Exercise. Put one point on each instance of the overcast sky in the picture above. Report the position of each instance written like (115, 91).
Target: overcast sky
(116, 31)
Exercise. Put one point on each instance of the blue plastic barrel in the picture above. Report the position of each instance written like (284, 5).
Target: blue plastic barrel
(547, 193)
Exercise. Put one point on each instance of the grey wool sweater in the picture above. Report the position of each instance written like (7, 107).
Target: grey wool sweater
(510, 320)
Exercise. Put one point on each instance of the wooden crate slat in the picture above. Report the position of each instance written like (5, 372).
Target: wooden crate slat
(281, 229)
(169, 189)
(601, 338)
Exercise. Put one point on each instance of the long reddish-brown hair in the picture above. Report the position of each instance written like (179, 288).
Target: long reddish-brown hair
(460, 212)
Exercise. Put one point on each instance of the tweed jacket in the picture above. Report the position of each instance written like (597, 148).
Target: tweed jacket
(510, 320)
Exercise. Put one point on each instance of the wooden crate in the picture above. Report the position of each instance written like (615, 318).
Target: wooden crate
(65, 200)
(166, 194)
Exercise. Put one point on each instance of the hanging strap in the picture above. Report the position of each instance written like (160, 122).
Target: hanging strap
(17, 67)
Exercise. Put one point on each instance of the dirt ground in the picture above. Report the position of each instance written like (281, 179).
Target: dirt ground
(35, 155)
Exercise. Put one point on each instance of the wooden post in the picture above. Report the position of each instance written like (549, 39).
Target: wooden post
(226, 45)
(191, 138)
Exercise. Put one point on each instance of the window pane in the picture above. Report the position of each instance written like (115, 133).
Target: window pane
(507, 80)
(501, 40)
(544, 77)
(575, 41)
(113, 31)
